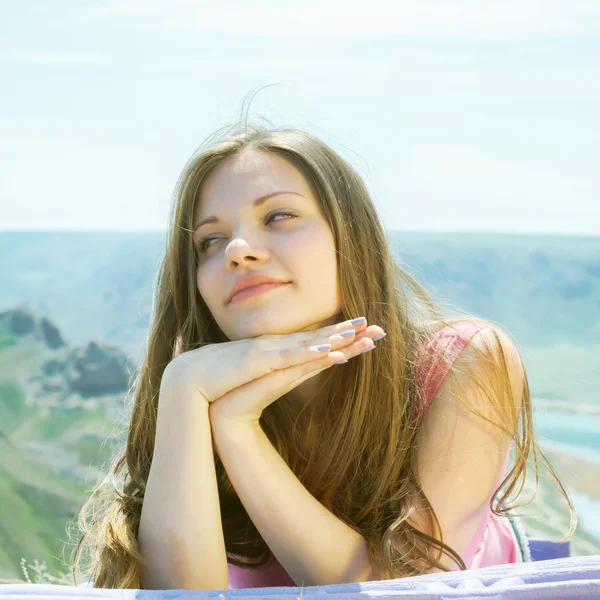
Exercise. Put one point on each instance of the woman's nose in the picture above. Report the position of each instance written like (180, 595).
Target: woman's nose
(240, 251)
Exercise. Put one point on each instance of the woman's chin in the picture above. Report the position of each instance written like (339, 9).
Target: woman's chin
(259, 324)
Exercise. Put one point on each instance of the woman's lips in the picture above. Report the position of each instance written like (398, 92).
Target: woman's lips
(255, 290)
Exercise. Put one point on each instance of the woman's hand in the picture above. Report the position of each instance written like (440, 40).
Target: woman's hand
(246, 376)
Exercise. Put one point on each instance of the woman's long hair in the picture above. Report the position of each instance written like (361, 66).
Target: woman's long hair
(363, 469)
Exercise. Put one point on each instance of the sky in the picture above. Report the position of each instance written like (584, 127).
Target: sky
(461, 115)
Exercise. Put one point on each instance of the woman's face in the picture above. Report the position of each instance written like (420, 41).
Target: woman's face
(285, 237)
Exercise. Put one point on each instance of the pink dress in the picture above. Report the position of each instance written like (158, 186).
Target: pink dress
(494, 542)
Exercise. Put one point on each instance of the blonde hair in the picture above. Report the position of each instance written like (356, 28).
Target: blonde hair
(363, 470)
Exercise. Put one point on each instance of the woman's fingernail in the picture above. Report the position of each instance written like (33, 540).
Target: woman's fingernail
(346, 334)
(379, 337)
(368, 349)
(325, 348)
(341, 362)
(358, 321)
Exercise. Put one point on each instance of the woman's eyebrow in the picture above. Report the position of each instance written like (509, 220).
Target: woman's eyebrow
(257, 203)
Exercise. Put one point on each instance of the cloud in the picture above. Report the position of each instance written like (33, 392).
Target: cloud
(466, 188)
(54, 179)
(461, 19)
(53, 57)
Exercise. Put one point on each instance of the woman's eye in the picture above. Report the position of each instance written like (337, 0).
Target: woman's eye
(280, 214)
(204, 243)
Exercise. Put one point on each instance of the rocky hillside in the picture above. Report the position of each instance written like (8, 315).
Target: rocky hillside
(59, 409)
(63, 371)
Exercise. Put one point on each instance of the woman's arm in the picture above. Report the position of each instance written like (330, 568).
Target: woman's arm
(181, 529)
(312, 545)
(180, 533)
(460, 455)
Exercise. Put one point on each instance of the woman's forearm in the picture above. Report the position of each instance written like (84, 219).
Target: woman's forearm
(180, 532)
(312, 544)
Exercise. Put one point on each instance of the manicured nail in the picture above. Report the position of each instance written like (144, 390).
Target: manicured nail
(324, 348)
(348, 333)
(379, 337)
(368, 349)
(341, 362)
(358, 321)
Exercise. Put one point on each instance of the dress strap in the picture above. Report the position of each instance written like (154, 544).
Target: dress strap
(439, 356)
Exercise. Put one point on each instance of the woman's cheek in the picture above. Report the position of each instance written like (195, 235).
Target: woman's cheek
(308, 241)
(208, 286)
(312, 259)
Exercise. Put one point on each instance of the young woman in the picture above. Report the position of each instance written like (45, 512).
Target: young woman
(325, 424)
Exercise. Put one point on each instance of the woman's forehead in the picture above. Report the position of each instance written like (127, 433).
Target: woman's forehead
(232, 187)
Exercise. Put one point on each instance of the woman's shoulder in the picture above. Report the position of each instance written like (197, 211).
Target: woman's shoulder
(439, 353)
(494, 353)
(448, 341)
(463, 330)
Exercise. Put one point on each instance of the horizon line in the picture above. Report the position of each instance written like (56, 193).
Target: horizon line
(404, 231)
